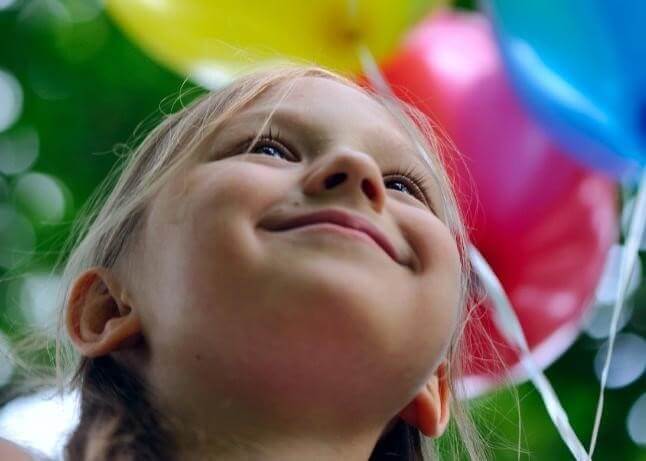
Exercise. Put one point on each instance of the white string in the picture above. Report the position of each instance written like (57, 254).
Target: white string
(628, 260)
(506, 319)
(508, 324)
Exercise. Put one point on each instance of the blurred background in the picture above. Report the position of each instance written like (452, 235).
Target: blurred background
(74, 87)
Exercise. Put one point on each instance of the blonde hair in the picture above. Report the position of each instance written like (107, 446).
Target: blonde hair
(108, 227)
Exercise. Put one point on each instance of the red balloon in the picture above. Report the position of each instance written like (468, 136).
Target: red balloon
(543, 222)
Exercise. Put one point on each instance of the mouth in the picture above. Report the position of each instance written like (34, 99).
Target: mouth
(340, 221)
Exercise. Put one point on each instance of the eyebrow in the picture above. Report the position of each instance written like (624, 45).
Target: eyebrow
(289, 117)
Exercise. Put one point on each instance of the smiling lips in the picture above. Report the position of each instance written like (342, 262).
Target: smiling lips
(340, 218)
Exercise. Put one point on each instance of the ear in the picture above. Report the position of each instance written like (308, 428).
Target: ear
(98, 317)
(429, 410)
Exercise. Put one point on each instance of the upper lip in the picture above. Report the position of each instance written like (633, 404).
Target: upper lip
(341, 218)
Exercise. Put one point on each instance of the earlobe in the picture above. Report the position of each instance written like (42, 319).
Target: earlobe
(97, 318)
(429, 410)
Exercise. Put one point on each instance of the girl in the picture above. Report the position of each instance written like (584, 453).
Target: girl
(277, 274)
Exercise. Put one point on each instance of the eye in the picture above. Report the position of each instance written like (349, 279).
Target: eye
(413, 183)
(269, 144)
(264, 146)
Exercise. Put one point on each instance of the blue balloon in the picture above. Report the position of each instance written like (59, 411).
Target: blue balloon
(580, 67)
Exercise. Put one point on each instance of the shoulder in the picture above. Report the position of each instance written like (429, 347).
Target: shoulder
(14, 452)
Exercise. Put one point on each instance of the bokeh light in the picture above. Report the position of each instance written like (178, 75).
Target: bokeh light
(628, 360)
(17, 236)
(597, 324)
(37, 299)
(10, 99)
(636, 421)
(18, 149)
(607, 289)
(210, 75)
(42, 196)
(7, 4)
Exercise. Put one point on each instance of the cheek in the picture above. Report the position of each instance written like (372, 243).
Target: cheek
(449, 258)
(231, 186)
(226, 207)
(196, 233)
(437, 304)
(214, 239)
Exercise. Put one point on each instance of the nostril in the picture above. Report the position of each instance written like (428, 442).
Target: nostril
(334, 180)
(368, 188)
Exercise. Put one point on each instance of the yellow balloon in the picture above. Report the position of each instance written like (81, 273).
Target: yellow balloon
(211, 38)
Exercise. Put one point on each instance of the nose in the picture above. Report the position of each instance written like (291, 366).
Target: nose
(351, 174)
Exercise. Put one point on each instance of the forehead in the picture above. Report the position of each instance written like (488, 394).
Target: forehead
(324, 101)
(327, 97)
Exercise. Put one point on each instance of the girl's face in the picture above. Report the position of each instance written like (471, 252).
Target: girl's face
(301, 329)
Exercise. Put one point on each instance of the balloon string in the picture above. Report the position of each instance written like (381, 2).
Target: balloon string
(507, 321)
(628, 260)
(372, 71)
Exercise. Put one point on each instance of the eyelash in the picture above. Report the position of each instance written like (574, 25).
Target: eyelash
(412, 177)
(416, 180)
